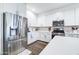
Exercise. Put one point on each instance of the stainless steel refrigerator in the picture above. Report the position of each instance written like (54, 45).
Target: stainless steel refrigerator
(14, 33)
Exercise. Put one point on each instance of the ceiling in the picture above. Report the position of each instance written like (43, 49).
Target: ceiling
(44, 7)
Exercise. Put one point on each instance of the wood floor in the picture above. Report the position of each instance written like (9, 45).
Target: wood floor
(36, 47)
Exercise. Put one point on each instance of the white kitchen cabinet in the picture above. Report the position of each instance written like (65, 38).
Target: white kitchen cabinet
(48, 20)
(51, 18)
(69, 17)
(58, 16)
(55, 17)
(77, 16)
(45, 20)
(41, 20)
(45, 36)
(75, 35)
(32, 37)
(39, 35)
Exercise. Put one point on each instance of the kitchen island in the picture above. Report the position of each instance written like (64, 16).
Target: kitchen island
(60, 45)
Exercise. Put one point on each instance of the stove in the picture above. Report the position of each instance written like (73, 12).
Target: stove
(58, 28)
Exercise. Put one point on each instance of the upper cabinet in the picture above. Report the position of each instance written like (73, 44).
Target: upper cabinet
(69, 18)
(77, 16)
(48, 20)
(32, 18)
(58, 16)
(41, 20)
(45, 20)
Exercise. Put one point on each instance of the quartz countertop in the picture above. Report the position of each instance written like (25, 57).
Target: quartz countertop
(62, 46)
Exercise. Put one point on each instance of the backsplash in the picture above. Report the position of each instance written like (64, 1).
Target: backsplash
(39, 28)
(69, 29)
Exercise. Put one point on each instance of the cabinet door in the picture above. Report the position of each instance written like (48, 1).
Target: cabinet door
(41, 20)
(69, 17)
(48, 20)
(32, 37)
(77, 16)
(45, 36)
(58, 16)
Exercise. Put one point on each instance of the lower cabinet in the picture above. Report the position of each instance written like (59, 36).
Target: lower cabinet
(39, 35)
(72, 35)
(45, 36)
(32, 37)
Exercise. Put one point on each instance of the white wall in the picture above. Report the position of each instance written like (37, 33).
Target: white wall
(20, 8)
